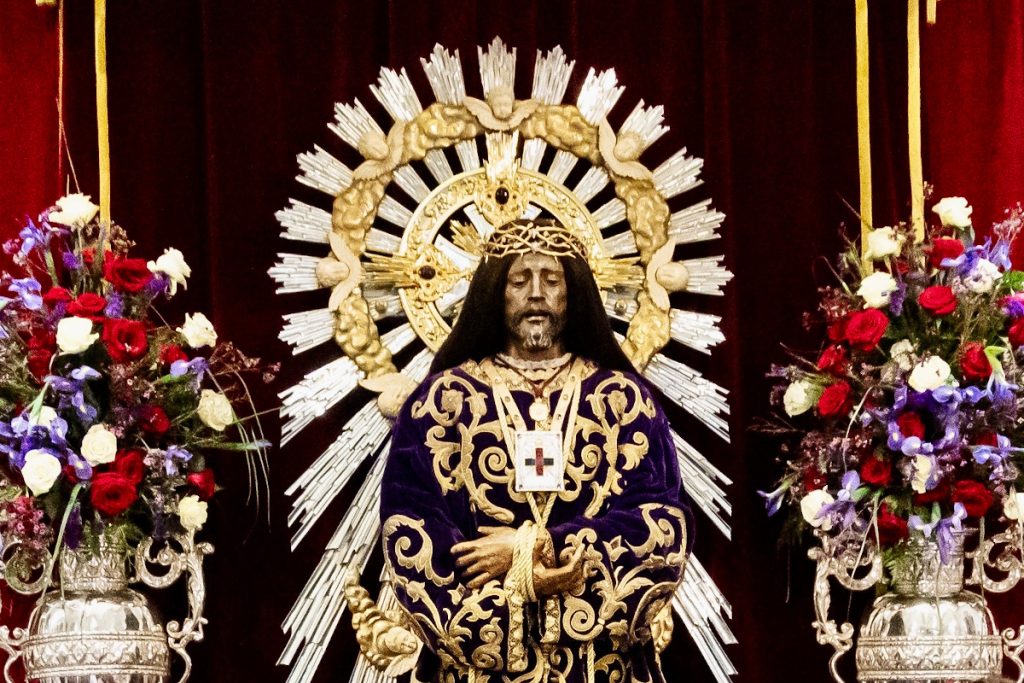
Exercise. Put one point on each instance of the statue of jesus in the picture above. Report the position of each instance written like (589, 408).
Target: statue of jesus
(533, 520)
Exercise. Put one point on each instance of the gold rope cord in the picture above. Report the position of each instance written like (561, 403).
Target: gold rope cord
(102, 119)
(914, 118)
(863, 122)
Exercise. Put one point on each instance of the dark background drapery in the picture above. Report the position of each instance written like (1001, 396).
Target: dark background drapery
(211, 101)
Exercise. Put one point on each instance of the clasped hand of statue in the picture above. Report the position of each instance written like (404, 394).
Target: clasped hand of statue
(490, 557)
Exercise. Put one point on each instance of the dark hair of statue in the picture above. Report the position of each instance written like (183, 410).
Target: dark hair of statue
(480, 329)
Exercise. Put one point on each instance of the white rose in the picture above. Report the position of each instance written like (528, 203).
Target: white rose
(99, 445)
(40, 470)
(198, 331)
(954, 212)
(1013, 505)
(884, 242)
(192, 513)
(876, 289)
(215, 410)
(931, 373)
(74, 211)
(902, 353)
(45, 417)
(982, 277)
(811, 504)
(922, 470)
(172, 264)
(75, 335)
(800, 397)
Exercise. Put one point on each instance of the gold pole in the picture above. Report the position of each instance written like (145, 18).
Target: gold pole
(914, 117)
(102, 119)
(863, 122)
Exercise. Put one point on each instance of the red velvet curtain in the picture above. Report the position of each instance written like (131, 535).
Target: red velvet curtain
(211, 101)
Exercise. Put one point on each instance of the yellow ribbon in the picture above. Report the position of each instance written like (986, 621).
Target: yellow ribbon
(914, 118)
(102, 119)
(863, 123)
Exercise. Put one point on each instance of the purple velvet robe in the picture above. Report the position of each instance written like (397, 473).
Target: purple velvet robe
(449, 473)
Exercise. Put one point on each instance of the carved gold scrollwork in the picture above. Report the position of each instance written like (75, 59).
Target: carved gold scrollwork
(385, 638)
(1013, 645)
(842, 559)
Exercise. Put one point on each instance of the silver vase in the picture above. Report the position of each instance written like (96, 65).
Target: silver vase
(928, 628)
(94, 628)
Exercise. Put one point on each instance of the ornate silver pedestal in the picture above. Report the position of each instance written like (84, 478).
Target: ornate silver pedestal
(928, 629)
(94, 628)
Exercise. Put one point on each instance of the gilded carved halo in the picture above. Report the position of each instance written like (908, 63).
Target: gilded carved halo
(405, 231)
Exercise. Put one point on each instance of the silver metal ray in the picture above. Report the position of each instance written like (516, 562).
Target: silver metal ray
(620, 243)
(695, 223)
(361, 437)
(307, 329)
(304, 222)
(479, 222)
(704, 482)
(295, 273)
(645, 123)
(322, 388)
(352, 122)
(707, 275)
(314, 617)
(394, 90)
(411, 183)
(598, 95)
(704, 610)
(497, 66)
(461, 258)
(384, 242)
(678, 174)
(393, 212)
(699, 331)
(592, 182)
(697, 395)
(610, 213)
(551, 74)
(323, 172)
(444, 71)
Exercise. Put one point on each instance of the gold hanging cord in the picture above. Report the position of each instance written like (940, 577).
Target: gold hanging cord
(102, 120)
(863, 123)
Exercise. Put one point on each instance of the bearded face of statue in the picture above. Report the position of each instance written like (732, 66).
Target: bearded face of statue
(536, 299)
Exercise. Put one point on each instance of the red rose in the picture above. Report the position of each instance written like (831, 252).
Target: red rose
(56, 295)
(837, 328)
(128, 274)
(910, 424)
(833, 359)
(936, 495)
(866, 328)
(125, 339)
(938, 300)
(170, 353)
(891, 528)
(976, 498)
(88, 305)
(1017, 333)
(944, 248)
(203, 484)
(835, 400)
(129, 464)
(876, 471)
(42, 339)
(39, 363)
(153, 420)
(112, 493)
(814, 479)
(974, 364)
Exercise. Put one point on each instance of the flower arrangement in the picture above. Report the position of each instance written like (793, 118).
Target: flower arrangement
(106, 412)
(905, 422)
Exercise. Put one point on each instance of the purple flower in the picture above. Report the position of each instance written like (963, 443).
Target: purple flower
(171, 457)
(896, 299)
(773, 499)
(115, 306)
(71, 260)
(72, 393)
(197, 367)
(73, 530)
(28, 290)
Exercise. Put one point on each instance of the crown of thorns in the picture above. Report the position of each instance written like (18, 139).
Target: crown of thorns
(524, 236)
